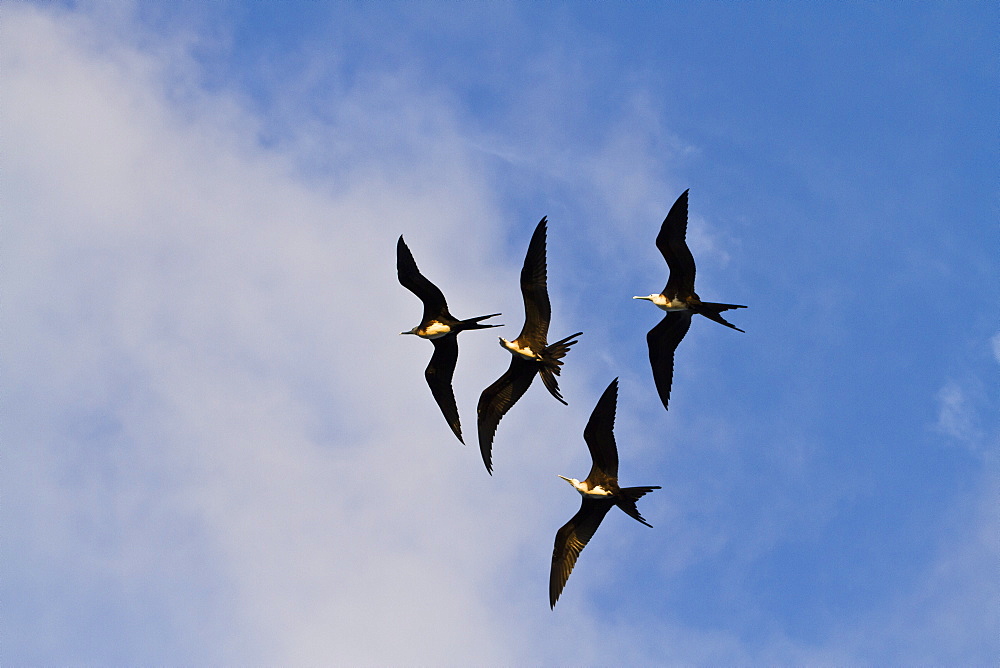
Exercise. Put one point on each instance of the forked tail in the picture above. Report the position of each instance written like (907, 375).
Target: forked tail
(712, 310)
(551, 361)
(473, 323)
(629, 495)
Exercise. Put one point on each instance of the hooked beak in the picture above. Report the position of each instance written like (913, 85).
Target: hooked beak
(401, 333)
(564, 478)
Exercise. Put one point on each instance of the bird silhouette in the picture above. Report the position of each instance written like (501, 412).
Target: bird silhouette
(530, 352)
(678, 299)
(442, 328)
(600, 492)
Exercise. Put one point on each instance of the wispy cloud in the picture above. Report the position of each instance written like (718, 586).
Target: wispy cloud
(217, 449)
(203, 336)
(955, 416)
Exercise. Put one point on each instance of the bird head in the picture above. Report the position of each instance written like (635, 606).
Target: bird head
(572, 481)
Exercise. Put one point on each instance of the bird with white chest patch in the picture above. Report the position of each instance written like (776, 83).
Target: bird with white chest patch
(678, 298)
(441, 328)
(599, 491)
(531, 354)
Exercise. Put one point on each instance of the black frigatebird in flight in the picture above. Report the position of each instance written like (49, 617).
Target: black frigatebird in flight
(530, 352)
(600, 492)
(442, 328)
(678, 298)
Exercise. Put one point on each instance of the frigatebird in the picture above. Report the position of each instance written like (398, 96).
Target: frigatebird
(600, 492)
(678, 298)
(530, 352)
(442, 328)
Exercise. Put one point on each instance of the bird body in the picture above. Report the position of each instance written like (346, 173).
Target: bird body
(431, 330)
(517, 349)
(585, 489)
(600, 493)
(440, 327)
(678, 298)
(667, 303)
(531, 354)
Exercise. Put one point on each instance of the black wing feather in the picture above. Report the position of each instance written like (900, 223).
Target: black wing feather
(673, 246)
(600, 436)
(439, 373)
(497, 399)
(570, 541)
(410, 278)
(534, 290)
(663, 340)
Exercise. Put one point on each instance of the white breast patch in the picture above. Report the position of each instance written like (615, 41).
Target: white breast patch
(523, 351)
(434, 330)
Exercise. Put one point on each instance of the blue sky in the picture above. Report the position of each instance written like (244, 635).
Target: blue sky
(217, 449)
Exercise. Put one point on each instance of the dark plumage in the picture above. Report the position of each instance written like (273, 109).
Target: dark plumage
(530, 352)
(600, 492)
(442, 328)
(678, 298)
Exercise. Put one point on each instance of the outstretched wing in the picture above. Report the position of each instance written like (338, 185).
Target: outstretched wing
(497, 399)
(663, 340)
(673, 246)
(600, 436)
(570, 541)
(439, 373)
(411, 279)
(534, 290)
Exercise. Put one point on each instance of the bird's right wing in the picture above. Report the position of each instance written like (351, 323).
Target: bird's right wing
(411, 279)
(570, 541)
(534, 290)
(673, 246)
(439, 373)
(497, 399)
(663, 340)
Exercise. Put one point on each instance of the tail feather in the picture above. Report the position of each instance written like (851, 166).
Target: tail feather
(556, 351)
(716, 306)
(629, 495)
(712, 311)
(551, 361)
(473, 323)
(551, 384)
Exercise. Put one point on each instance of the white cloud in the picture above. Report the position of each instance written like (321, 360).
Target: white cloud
(235, 438)
(218, 446)
(206, 342)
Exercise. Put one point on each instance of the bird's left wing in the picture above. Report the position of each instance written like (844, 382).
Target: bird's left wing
(600, 434)
(672, 243)
(411, 279)
(534, 290)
